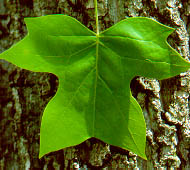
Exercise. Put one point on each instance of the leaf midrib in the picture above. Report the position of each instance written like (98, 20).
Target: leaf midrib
(95, 85)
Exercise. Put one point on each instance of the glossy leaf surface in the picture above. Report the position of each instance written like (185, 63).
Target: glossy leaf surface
(94, 71)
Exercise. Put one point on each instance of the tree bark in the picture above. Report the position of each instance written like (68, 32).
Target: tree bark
(24, 94)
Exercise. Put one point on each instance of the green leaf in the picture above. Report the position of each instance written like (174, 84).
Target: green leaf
(94, 71)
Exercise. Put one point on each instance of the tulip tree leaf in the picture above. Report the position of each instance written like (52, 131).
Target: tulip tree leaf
(94, 71)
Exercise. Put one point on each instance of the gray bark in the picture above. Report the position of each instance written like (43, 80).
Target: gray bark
(24, 94)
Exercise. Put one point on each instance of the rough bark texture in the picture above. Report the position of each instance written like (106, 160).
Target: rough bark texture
(24, 94)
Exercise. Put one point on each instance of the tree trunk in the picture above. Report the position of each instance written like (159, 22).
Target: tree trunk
(24, 94)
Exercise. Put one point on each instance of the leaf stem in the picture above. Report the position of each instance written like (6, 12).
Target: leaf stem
(96, 13)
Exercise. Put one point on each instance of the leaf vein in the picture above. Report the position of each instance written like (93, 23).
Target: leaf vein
(146, 60)
(78, 52)
(74, 95)
(119, 109)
